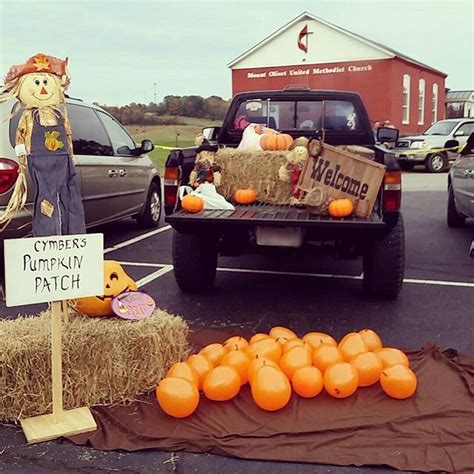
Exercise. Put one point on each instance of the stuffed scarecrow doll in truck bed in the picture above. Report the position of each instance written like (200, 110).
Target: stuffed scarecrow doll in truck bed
(44, 144)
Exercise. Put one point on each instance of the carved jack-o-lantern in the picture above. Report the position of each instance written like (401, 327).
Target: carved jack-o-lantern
(116, 281)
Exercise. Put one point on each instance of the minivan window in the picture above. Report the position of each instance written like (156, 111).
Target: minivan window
(122, 143)
(444, 127)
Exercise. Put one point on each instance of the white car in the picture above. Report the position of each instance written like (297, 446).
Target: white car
(422, 149)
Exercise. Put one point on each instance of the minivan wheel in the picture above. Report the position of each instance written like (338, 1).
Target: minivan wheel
(454, 218)
(436, 163)
(151, 214)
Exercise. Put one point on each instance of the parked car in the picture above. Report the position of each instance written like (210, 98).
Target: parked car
(117, 177)
(421, 149)
(461, 186)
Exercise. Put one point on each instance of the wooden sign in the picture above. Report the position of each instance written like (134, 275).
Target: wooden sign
(44, 269)
(342, 174)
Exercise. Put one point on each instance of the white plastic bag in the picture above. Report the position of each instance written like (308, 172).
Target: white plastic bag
(207, 192)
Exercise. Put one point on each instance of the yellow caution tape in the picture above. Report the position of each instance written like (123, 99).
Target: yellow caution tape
(166, 147)
(427, 151)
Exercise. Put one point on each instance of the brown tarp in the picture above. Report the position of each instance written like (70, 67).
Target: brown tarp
(432, 431)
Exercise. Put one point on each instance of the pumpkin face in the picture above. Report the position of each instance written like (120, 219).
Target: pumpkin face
(307, 382)
(116, 282)
(351, 345)
(214, 352)
(341, 380)
(271, 390)
(371, 339)
(245, 196)
(201, 365)
(282, 334)
(240, 362)
(177, 397)
(398, 382)
(222, 383)
(317, 338)
(236, 343)
(326, 355)
(267, 347)
(276, 141)
(389, 356)
(182, 370)
(294, 359)
(341, 208)
(368, 367)
(192, 204)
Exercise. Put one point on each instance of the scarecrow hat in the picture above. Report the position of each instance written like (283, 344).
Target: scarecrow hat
(39, 63)
(301, 141)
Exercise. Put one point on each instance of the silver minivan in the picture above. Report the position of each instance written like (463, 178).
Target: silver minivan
(118, 179)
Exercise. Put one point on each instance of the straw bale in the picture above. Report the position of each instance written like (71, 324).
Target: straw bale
(105, 360)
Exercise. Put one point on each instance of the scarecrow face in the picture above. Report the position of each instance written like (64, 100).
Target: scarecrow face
(40, 90)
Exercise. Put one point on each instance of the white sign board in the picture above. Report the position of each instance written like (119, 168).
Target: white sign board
(56, 268)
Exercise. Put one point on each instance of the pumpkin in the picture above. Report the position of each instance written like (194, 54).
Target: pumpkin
(398, 382)
(214, 352)
(371, 339)
(257, 337)
(245, 196)
(341, 380)
(240, 362)
(270, 388)
(236, 343)
(390, 356)
(267, 347)
(182, 370)
(177, 397)
(317, 338)
(294, 359)
(116, 281)
(276, 141)
(340, 208)
(307, 382)
(368, 367)
(222, 383)
(201, 365)
(326, 355)
(351, 345)
(297, 342)
(282, 334)
(256, 364)
(192, 203)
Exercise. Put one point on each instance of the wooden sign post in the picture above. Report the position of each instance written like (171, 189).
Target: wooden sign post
(55, 269)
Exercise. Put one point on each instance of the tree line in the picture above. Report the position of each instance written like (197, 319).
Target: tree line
(168, 111)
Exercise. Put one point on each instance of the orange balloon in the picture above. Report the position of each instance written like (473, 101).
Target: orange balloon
(268, 348)
(222, 383)
(307, 382)
(351, 345)
(184, 371)
(341, 380)
(214, 352)
(257, 363)
(326, 355)
(296, 342)
(271, 390)
(177, 397)
(317, 338)
(240, 362)
(282, 334)
(391, 356)
(295, 359)
(258, 337)
(236, 343)
(369, 367)
(398, 381)
(201, 365)
(371, 339)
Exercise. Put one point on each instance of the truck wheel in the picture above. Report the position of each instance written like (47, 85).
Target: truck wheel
(436, 163)
(454, 218)
(406, 165)
(384, 263)
(152, 211)
(195, 261)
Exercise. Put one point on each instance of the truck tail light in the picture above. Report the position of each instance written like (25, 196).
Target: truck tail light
(8, 174)
(392, 191)
(171, 185)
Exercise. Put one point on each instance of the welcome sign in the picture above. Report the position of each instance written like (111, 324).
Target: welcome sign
(44, 269)
(342, 174)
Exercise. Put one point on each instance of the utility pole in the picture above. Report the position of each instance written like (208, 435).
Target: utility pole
(154, 85)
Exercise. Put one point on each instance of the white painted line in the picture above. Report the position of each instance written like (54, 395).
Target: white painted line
(273, 272)
(439, 282)
(153, 276)
(137, 239)
(141, 264)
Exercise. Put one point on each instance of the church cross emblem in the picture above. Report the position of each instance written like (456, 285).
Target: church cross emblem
(303, 38)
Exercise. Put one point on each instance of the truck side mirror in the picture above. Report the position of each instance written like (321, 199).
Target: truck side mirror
(387, 134)
(211, 133)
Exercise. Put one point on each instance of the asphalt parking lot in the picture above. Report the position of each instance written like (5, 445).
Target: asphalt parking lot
(306, 293)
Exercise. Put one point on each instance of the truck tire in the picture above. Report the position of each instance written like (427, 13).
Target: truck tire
(454, 218)
(436, 163)
(195, 261)
(384, 263)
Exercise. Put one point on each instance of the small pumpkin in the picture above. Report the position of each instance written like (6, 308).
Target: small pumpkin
(271, 390)
(340, 208)
(276, 141)
(177, 397)
(398, 382)
(341, 380)
(240, 362)
(214, 352)
(245, 196)
(182, 370)
(317, 338)
(192, 203)
(297, 342)
(222, 383)
(282, 334)
(326, 355)
(351, 345)
(369, 367)
(267, 347)
(257, 337)
(236, 343)
(307, 382)
(391, 356)
(371, 339)
(256, 364)
(201, 365)
(294, 359)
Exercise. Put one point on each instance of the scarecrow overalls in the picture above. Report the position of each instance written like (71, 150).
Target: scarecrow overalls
(58, 208)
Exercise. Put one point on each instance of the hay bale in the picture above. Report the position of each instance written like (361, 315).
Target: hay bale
(105, 360)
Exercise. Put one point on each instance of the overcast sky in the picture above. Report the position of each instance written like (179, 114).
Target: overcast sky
(119, 49)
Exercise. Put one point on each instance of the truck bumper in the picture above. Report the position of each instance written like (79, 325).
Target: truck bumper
(413, 158)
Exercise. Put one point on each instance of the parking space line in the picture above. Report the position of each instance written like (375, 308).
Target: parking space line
(275, 272)
(439, 282)
(139, 238)
(141, 264)
(153, 276)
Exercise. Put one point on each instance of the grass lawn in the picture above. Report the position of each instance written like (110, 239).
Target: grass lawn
(180, 136)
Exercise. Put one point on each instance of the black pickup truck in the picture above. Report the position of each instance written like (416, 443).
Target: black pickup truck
(341, 118)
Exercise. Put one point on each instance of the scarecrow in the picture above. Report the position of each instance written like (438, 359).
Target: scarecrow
(44, 144)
